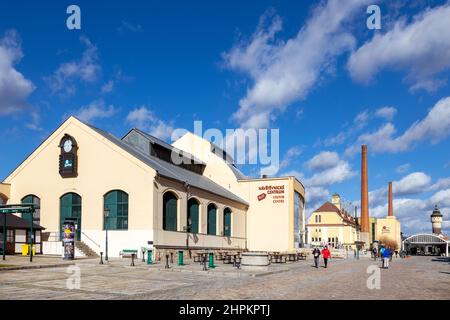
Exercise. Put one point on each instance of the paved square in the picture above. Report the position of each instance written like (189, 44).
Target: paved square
(412, 278)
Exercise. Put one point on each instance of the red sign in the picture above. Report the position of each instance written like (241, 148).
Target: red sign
(262, 196)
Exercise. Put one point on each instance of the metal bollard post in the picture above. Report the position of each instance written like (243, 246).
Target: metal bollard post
(204, 263)
(211, 260)
(101, 257)
(149, 256)
(132, 259)
(143, 255)
(171, 257)
(167, 262)
(180, 258)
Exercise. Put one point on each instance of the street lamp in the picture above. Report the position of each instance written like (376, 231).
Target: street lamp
(106, 213)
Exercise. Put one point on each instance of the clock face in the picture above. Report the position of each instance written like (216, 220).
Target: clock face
(67, 145)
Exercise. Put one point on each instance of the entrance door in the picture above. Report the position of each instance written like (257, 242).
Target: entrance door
(70, 208)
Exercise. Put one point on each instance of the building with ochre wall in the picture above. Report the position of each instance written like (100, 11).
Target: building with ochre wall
(331, 225)
(201, 202)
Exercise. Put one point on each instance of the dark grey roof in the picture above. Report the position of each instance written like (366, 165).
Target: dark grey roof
(172, 171)
(15, 222)
(155, 140)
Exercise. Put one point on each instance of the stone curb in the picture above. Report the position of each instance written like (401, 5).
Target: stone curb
(37, 266)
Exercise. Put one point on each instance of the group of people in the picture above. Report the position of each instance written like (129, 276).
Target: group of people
(385, 255)
(326, 254)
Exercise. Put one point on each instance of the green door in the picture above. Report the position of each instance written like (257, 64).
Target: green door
(193, 216)
(227, 222)
(212, 217)
(170, 212)
(70, 208)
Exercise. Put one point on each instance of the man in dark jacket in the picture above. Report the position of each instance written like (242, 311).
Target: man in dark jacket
(316, 255)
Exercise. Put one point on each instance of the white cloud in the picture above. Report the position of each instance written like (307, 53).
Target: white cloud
(434, 127)
(14, 87)
(107, 87)
(330, 169)
(442, 183)
(87, 69)
(386, 113)
(95, 110)
(144, 119)
(322, 161)
(34, 121)
(420, 47)
(127, 26)
(315, 196)
(441, 198)
(403, 168)
(414, 183)
(286, 71)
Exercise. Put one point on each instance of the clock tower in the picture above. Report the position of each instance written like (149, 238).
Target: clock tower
(436, 220)
(68, 158)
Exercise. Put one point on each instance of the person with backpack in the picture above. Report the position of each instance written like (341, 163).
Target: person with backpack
(326, 255)
(386, 257)
(316, 255)
(374, 253)
(382, 254)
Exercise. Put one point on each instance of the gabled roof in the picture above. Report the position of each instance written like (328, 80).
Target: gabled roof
(171, 171)
(15, 222)
(329, 207)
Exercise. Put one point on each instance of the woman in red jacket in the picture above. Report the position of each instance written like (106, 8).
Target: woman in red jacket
(326, 255)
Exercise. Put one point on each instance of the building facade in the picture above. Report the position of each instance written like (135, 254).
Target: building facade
(155, 193)
(333, 226)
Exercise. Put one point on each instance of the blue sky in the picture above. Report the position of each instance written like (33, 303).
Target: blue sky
(312, 69)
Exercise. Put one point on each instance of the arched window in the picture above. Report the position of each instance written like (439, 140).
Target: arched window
(3, 198)
(32, 199)
(70, 210)
(227, 222)
(117, 203)
(212, 218)
(170, 203)
(192, 215)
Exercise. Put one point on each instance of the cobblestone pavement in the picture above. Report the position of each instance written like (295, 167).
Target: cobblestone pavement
(412, 278)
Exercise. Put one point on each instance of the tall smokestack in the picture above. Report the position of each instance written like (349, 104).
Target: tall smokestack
(390, 206)
(364, 197)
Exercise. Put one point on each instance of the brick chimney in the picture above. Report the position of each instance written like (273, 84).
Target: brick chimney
(364, 234)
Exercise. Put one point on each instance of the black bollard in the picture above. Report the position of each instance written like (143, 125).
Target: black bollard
(171, 257)
(167, 262)
(132, 259)
(101, 257)
(143, 255)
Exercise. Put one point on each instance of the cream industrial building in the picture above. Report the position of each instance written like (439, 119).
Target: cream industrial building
(204, 202)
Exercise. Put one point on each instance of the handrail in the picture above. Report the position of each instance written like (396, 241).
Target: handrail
(90, 239)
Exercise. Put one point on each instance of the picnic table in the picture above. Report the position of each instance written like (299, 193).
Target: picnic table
(198, 257)
(279, 258)
(301, 256)
(292, 256)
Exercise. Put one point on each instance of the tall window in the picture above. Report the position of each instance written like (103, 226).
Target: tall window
(70, 209)
(192, 215)
(227, 222)
(117, 203)
(212, 218)
(170, 202)
(32, 199)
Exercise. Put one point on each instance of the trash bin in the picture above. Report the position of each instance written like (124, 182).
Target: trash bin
(26, 249)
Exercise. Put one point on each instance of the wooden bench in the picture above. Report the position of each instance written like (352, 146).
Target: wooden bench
(128, 253)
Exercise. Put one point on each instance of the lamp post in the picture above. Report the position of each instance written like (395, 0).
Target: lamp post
(106, 216)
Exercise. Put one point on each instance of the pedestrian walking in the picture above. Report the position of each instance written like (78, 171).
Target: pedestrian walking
(386, 257)
(382, 254)
(326, 255)
(374, 253)
(316, 255)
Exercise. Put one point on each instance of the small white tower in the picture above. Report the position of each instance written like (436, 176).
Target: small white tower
(436, 220)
